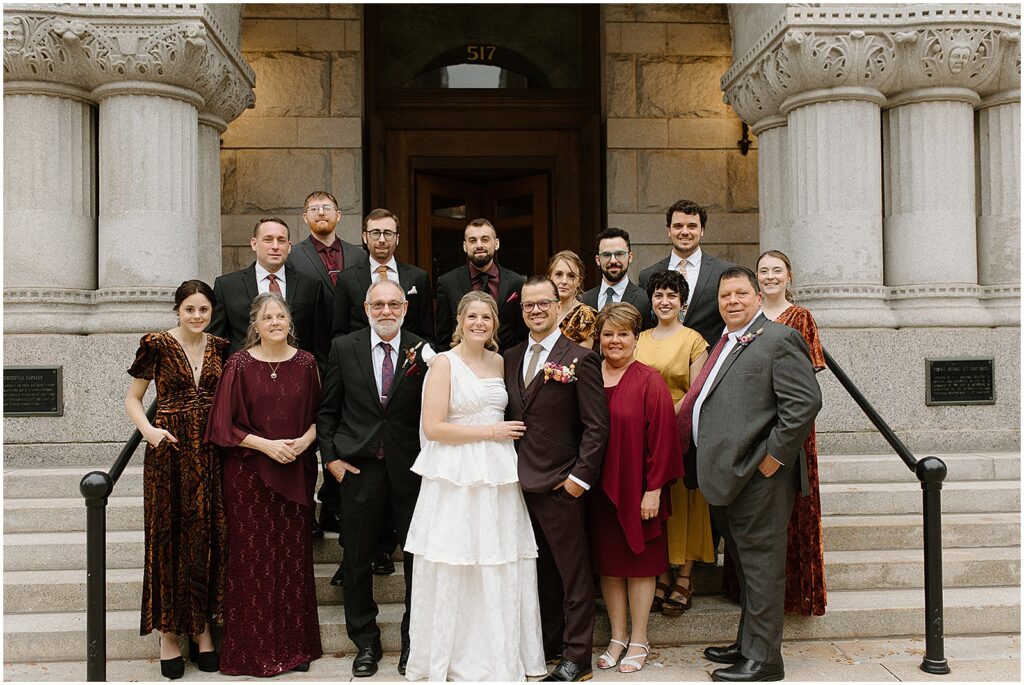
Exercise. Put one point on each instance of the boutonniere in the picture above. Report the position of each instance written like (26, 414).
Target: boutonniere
(745, 340)
(513, 297)
(411, 291)
(410, 359)
(559, 373)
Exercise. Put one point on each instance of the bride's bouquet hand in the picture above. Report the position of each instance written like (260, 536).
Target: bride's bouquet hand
(508, 430)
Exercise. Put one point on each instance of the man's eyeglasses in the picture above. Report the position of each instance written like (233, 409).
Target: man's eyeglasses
(316, 209)
(619, 255)
(542, 305)
(377, 234)
(379, 306)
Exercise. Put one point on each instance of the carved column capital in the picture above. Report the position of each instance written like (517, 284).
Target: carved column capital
(886, 50)
(89, 47)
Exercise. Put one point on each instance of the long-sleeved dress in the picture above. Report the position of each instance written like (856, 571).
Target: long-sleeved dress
(643, 453)
(270, 616)
(183, 512)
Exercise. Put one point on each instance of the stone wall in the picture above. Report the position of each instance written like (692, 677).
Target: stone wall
(669, 135)
(305, 132)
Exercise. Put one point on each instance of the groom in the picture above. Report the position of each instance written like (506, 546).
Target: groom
(368, 429)
(559, 459)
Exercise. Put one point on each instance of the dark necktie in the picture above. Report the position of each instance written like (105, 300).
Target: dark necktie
(609, 296)
(332, 266)
(274, 287)
(387, 377)
(685, 418)
(484, 281)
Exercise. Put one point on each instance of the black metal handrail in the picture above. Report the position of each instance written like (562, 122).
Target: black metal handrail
(930, 471)
(96, 487)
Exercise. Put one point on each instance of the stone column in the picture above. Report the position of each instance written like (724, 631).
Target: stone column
(998, 143)
(148, 161)
(836, 236)
(209, 238)
(931, 261)
(774, 187)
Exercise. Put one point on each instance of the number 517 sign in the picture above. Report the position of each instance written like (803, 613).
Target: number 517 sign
(479, 53)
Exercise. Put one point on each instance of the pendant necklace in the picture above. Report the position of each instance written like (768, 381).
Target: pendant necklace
(273, 370)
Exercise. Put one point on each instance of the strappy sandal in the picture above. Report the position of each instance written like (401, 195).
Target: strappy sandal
(675, 607)
(658, 601)
(634, 660)
(607, 658)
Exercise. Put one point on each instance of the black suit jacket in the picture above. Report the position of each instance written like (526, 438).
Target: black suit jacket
(566, 423)
(702, 315)
(306, 261)
(457, 282)
(304, 295)
(350, 294)
(633, 295)
(351, 421)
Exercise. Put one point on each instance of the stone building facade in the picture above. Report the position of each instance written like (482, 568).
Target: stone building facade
(884, 158)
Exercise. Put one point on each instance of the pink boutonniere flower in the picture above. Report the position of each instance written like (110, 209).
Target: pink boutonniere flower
(745, 340)
(513, 297)
(560, 374)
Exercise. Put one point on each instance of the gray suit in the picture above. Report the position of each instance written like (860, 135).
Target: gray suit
(763, 400)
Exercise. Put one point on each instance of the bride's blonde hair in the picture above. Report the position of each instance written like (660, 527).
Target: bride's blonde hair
(460, 315)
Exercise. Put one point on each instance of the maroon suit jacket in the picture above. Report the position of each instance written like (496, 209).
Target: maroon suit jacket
(566, 423)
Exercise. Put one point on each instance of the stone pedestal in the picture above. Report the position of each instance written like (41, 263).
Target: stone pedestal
(931, 263)
(998, 143)
(835, 237)
(209, 236)
(774, 190)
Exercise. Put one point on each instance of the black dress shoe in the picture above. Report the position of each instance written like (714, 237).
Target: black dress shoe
(316, 530)
(302, 668)
(365, 663)
(383, 566)
(553, 658)
(338, 579)
(172, 668)
(403, 660)
(569, 672)
(748, 671)
(724, 655)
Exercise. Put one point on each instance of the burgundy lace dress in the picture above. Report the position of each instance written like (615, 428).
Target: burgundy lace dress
(270, 616)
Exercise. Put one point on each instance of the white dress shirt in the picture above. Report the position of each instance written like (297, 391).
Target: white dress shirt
(692, 270)
(547, 343)
(619, 288)
(392, 266)
(709, 381)
(263, 283)
(378, 357)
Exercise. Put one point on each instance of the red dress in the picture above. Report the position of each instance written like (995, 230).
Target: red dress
(805, 555)
(270, 617)
(643, 453)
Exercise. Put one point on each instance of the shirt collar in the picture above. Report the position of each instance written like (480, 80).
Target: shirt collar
(693, 260)
(375, 340)
(261, 273)
(735, 334)
(333, 247)
(475, 272)
(619, 287)
(548, 342)
(391, 264)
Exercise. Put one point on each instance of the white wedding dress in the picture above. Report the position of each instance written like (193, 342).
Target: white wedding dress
(475, 614)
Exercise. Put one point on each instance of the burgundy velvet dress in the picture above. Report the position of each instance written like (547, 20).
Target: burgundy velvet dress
(270, 617)
(643, 454)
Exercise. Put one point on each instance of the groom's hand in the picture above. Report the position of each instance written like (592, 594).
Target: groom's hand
(571, 486)
(339, 468)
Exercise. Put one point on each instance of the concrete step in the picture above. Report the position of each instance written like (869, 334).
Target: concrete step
(56, 551)
(970, 497)
(64, 590)
(851, 614)
(30, 482)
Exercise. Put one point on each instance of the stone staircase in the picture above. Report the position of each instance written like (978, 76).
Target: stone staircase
(872, 528)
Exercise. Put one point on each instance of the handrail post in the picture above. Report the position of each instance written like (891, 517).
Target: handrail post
(96, 487)
(931, 471)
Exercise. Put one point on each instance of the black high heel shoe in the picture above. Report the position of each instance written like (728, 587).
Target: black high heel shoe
(208, 662)
(172, 668)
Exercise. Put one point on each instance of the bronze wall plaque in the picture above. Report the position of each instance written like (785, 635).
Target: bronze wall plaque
(960, 381)
(33, 391)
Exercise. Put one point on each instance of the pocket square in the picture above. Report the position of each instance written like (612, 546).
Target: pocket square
(513, 297)
(412, 291)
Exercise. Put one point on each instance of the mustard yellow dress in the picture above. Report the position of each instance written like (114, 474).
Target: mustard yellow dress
(689, 527)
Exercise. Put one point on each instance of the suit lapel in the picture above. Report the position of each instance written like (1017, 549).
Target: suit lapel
(465, 282)
(308, 249)
(504, 285)
(401, 368)
(364, 357)
(291, 285)
(404, 277)
(558, 352)
(735, 353)
(632, 296)
(249, 281)
(364, 278)
(706, 265)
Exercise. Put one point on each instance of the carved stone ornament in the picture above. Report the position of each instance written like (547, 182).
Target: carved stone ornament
(889, 51)
(90, 46)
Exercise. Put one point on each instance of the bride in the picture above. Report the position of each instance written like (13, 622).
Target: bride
(475, 614)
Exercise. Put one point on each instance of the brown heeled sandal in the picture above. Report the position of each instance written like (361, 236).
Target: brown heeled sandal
(675, 607)
(659, 601)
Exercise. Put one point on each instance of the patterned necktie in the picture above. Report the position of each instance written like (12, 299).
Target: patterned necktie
(531, 369)
(685, 418)
(682, 308)
(609, 296)
(274, 287)
(387, 377)
(383, 271)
